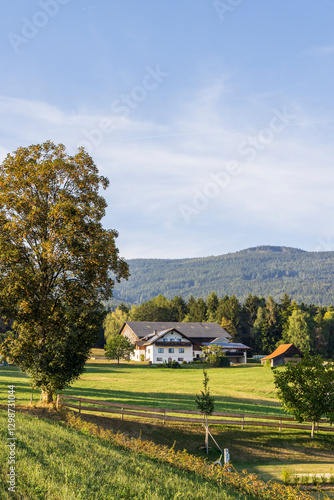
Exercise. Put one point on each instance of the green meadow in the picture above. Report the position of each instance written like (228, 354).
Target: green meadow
(245, 389)
(54, 462)
(248, 389)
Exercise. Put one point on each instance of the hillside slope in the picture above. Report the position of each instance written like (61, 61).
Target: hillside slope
(265, 270)
(56, 462)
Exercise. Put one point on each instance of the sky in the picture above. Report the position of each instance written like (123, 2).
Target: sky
(212, 119)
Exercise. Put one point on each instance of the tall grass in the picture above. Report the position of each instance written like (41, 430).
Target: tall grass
(56, 462)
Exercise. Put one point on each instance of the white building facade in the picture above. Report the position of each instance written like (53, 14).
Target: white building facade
(168, 345)
(160, 342)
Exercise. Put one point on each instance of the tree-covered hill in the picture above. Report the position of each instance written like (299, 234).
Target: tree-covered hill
(264, 270)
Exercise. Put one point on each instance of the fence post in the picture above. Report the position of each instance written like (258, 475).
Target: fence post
(280, 428)
(164, 419)
(31, 399)
(57, 402)
(122, 413)
(243, 422)
(79, 406)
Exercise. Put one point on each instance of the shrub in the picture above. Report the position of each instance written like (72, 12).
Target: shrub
(218, 359)
(286, 476)
(142, 357)
(315, 480)
(171, 364)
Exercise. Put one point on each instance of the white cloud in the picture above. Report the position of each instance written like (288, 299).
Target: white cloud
(153, 168)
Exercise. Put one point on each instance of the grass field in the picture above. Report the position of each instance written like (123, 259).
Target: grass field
(246, 389)
(236, 389)
(55, 462)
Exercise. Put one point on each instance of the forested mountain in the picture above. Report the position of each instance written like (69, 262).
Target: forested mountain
(263, 271)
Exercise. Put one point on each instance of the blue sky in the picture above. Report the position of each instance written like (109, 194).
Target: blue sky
(213, 120)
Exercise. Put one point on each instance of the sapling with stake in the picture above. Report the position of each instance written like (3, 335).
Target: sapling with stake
(206, 405)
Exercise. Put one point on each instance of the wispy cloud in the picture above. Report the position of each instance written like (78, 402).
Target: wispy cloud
(320, 50)
(153, 167)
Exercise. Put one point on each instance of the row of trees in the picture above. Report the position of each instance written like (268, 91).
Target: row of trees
(261, 323)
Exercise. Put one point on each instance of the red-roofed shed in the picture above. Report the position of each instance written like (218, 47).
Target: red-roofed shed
(283, 354)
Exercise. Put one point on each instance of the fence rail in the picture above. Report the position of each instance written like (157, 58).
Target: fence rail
(171, 415)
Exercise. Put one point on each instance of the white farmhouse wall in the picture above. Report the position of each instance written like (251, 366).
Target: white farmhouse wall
(165, 356)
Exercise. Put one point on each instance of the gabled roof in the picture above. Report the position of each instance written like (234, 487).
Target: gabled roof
(190, 330)
(282, 349)
(160, 335)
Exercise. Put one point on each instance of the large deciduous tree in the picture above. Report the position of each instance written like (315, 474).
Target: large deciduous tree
(114, 321)
(56, 261)
(307, 389)
(301, 330)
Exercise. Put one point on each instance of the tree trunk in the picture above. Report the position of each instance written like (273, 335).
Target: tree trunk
(206, 435)
(312, 431)
(47, 397)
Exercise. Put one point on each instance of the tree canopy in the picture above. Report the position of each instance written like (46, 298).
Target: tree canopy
(307, 389)
(261, 323)
(56, 261)
(118, 347)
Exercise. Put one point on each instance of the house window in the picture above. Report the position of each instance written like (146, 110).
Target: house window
(159, 359)
(172, 340)
(171, 349)
(160, 349)
(181, 349)
(180, 359)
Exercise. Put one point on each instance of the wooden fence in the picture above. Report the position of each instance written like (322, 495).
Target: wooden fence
(172, 415)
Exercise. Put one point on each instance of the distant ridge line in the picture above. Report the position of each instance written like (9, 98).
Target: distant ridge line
(262, 270)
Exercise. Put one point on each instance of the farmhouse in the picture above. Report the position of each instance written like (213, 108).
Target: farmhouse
(236, 352)
(161, 342)
(283, 354)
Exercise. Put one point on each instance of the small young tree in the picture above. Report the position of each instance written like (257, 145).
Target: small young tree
(307, 389)
(118, 347)
(206, 405)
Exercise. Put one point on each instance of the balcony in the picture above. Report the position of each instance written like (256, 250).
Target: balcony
(162, 343)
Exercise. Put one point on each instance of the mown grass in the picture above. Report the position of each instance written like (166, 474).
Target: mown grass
(246, 389)
(54, 462)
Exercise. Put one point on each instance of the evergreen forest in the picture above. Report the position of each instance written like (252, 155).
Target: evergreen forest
(264, 270)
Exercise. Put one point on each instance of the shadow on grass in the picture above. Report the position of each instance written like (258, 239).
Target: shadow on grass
(175, 401)
(144, 398)
(250, 449)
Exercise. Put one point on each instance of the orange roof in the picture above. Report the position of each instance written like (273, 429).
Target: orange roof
(280, 350)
